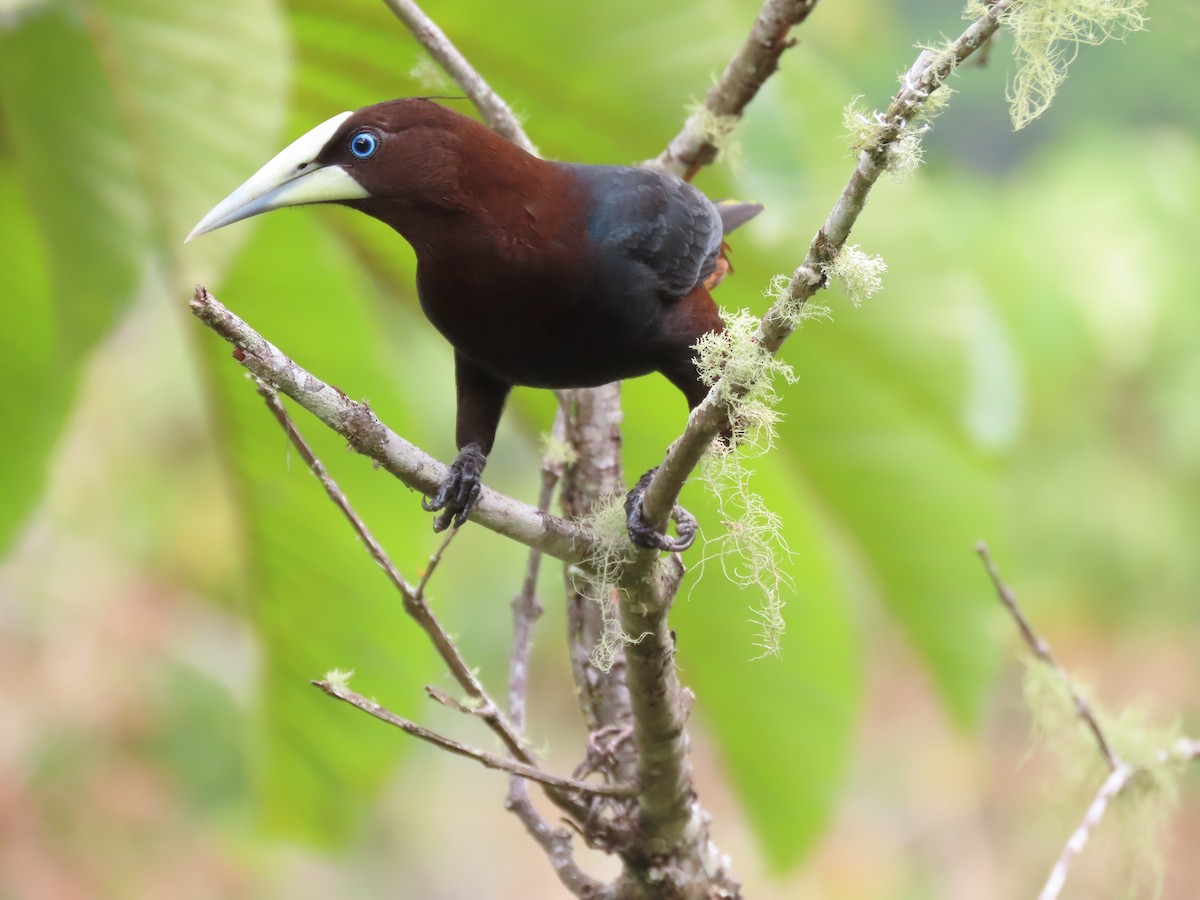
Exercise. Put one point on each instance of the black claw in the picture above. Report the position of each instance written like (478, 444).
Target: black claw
(459, 493)
(643, 535)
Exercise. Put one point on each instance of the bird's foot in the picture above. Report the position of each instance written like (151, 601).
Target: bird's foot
(459, 493)
(646, 536)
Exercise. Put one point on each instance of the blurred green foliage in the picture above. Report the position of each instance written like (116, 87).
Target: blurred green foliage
(1029, 374)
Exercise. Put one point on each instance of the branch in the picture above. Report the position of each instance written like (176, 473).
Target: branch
(1121, 774)
(1118, 779)
(593, 428)
(1042, 651)
(367, 435)
(271, 398)
(694, 147)
(414, 598)
(414, 604)
(496, 113)
(927, 74)
(555, 842)
(530, 772)
(1184, 750)
(670, 819)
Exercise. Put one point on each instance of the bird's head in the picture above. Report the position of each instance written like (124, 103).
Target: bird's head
(400, 150)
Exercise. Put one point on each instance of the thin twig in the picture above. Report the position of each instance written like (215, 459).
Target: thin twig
(523, 770)
(276, 407)
(496, 113)
(414, 604)
(437, 695)
(1118, 779)
(414, 601)
(1042, 651)
(526, 609)
(556, 843)
(367, 435)
(1121, 773)
(1184, 750)
(755, 62)
(434, 562)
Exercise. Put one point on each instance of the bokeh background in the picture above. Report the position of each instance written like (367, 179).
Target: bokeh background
(172, 576)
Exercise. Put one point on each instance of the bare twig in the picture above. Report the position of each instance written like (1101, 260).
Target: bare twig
(556, 843)
(593, 428)
(1116, 782)
(526, 609)
(434, 562)
(1121, 774)
(1042, 651)
(370, 437)
(414, 600)
(483, 706)
(498, 115)
(1185, 750)
(271, 398)
(523, 770)
(926, 75)
(694, 147)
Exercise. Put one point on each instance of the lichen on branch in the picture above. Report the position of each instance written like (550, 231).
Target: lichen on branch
(1046, 37)
(599, 575)
(750, 545)
(859, 274)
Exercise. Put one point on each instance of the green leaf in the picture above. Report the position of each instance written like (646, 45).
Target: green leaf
(78, 169)
(115, 156)
(170, 65)
(27, 357)
(895, 405)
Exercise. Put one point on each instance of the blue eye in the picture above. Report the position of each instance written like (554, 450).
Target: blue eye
(363, 144)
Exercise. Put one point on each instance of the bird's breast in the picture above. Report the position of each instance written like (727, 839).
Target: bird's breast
(548, 316)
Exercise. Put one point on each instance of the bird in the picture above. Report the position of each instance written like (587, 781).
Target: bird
(538, 273)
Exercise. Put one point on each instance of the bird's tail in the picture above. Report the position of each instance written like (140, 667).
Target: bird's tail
(735, 214)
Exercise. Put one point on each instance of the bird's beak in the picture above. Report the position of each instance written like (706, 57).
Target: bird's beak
(290, 179)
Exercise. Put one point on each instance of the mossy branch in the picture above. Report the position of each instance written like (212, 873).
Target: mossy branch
(1047, 35)
(1136, 753)
(707, 127)
(926, 76)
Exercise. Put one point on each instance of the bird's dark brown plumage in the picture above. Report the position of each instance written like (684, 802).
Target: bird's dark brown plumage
(538, 273)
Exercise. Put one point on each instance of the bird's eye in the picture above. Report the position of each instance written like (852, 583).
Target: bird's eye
(363, 144)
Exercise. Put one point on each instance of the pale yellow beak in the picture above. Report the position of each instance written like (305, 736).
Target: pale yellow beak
(292, 178)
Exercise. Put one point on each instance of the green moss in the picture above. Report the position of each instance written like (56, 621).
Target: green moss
(1132, 829)
(747, 373)
(339, 678)
(864, 128)
(720, 131)
(751, 545)
(557, 452)
(905, 153)
(597, 578)
(793, 311)
(1046, 38)
(860, 275)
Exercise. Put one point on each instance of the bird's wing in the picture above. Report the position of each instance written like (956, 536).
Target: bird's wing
(654, 219)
